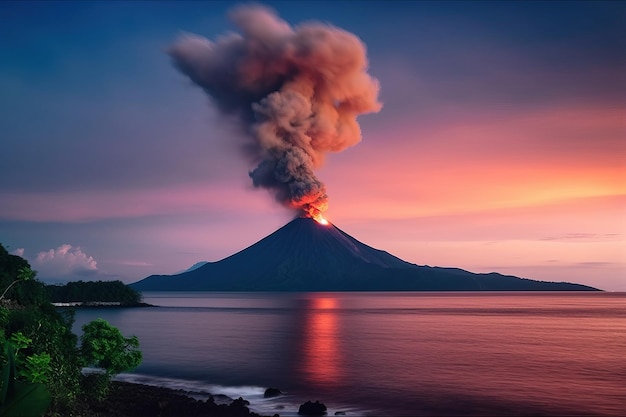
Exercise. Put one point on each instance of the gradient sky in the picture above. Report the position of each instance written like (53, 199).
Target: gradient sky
(501, 145)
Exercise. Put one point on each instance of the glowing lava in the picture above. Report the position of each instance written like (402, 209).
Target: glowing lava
(321, 220)
(314, 212)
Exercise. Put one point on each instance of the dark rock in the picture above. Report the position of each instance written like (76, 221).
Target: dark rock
(312, 409)
(272, 392)
(136, 400)
(239, 407)
(241, 402)
(340, 413)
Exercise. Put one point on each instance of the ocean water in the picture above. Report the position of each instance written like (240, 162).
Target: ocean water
(396, 354)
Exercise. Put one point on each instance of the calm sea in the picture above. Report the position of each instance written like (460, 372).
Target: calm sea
(397, 354)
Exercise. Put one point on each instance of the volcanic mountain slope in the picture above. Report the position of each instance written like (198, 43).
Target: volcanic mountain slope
(304, 255)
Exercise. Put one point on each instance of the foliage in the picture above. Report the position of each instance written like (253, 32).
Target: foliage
(30, 293)
(104, 346)
(9, 267)
(40, 362)
(37, 367)
(15, 270)
(17, 398)
(51, 337)
(19, 341)
(104, 291)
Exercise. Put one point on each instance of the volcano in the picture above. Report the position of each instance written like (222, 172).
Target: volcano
(305, 255)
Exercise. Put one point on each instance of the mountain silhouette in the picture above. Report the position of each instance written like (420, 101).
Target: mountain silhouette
(304, 255)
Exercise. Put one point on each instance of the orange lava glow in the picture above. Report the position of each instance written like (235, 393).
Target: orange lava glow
(321, 220)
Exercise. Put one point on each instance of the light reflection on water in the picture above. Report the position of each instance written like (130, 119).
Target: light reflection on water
(427, 353)
(320, 350)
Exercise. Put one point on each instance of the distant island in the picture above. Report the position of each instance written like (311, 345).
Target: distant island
(305, 255)
(93, 294)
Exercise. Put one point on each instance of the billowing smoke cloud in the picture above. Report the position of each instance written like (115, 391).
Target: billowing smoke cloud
(297, 90)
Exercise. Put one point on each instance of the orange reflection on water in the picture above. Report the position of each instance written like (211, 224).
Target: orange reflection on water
(324, 303)
(320, 345)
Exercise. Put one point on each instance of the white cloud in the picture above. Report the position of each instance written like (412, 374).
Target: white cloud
(66, 261)
(18, 252)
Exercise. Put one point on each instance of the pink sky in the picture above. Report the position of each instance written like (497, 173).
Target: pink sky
(497, 148)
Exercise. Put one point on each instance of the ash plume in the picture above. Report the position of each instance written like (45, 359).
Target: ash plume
(297, 90)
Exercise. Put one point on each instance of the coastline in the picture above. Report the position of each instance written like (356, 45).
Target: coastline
(128, 399)
(100, 304)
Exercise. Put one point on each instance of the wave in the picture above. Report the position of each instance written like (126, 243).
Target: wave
(286, 404)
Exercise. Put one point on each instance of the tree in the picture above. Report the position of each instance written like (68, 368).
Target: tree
(90, 291)
(9, 266)
(104, 347)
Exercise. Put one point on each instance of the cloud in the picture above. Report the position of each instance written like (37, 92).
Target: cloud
(586, 236)
(18, 252)
(86, 206)
(65, 261)
(133, 263)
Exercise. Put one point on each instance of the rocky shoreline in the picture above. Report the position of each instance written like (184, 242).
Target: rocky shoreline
(137, 400)
(100, 304)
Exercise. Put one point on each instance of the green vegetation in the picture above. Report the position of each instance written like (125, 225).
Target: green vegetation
(104, 347)
(98, 291)
(40, 361)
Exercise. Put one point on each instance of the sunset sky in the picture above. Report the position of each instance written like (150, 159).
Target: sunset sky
(500, 146)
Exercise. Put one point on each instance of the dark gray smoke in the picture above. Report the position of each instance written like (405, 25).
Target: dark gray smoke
(298, 90)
